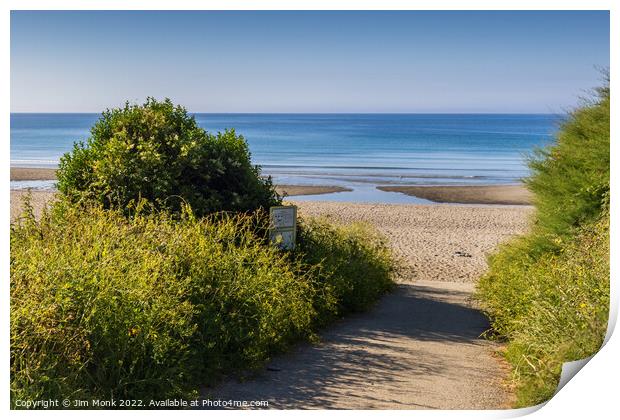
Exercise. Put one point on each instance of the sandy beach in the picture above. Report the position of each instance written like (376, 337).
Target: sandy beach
(309, 209)
(289, 190)
(436, 242)
(38, 200)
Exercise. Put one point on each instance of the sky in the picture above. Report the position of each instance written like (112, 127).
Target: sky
(270, 61)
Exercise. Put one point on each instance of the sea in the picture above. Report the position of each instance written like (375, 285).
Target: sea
(356, 151)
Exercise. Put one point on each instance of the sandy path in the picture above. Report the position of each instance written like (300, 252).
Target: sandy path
(419, 348)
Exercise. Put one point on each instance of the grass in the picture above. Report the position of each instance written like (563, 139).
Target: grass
(547, 293)
(154, 306)
(552, 309)
(352, 262)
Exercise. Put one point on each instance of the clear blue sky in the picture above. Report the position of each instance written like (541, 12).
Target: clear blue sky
(261, 61)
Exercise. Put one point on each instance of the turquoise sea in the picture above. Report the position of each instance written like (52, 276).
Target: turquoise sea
(359, 151)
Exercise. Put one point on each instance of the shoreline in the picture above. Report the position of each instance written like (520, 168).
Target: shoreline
(286, 190)
(455, 194)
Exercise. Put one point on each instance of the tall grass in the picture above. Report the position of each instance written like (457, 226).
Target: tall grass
(105, 306)
(570, 180)
(548, 292)
(355, 265)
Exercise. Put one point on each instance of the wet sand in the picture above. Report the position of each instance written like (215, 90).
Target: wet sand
(289, 190)
(32, 174)
(467, 194)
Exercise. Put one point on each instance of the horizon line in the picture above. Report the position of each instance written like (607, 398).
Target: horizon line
(315, 113)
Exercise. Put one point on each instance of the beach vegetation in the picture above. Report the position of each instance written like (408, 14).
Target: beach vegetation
(356, 265)
(141, 303)
(547, 293)
(570, 179)
(158, 152)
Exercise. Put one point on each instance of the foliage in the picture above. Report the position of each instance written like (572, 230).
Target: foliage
(552, 309)
(155, 305)
(356, 265)
(157, 151)
(548, 292)
(570, 180)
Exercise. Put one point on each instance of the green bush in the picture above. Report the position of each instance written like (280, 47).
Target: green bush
(355, 265)
(548, 292)
(552, 309)
(157, 151)
(570, 179)
(104, 307)
(154, 305)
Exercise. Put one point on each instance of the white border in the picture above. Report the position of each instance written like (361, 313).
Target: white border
(308, 5)
(592, 393)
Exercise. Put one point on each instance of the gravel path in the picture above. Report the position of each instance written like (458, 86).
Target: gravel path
(420, 347)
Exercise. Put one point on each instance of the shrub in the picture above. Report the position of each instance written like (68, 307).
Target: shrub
(570, 180)
(104, 307)
(157, 151)
(552, 309)
(548, 292)
(154, 305)
(355, 266)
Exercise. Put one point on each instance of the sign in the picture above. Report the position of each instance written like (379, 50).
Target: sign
(283, 226)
